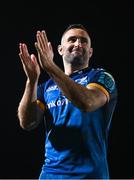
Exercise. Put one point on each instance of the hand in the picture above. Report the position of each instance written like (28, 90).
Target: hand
(29, 62)
(44, 49)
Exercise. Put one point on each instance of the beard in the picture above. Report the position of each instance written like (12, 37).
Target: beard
(76, 60)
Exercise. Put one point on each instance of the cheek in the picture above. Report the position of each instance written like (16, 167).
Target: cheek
(86, 53)
(66, 49)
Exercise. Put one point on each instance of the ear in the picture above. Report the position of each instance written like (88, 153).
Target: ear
(90, 52)
(60, 50)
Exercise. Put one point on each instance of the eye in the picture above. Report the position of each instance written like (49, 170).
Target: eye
(72, 39)
(84, 40)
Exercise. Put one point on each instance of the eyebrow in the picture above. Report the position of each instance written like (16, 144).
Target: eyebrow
(80, 37)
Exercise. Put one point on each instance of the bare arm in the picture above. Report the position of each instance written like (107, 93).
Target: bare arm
(87, 99)
(29, 113)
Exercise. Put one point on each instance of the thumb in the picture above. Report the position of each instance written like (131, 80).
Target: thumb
(34, 59)
(37, 47)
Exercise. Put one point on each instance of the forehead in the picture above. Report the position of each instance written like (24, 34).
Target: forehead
(75, 32)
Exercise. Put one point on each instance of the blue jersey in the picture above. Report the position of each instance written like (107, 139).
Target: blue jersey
(76, 141)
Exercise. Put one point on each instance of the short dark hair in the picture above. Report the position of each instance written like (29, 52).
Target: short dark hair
(73, 26)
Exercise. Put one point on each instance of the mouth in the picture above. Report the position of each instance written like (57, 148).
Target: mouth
(77, 51)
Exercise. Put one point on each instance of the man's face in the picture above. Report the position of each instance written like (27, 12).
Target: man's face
(76, 47)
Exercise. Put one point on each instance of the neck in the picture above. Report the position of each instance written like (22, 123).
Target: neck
(69, 69)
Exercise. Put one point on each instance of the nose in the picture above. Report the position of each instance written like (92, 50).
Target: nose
(78, 43)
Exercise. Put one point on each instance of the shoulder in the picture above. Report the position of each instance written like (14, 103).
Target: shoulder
(105, 78)
(103, 74)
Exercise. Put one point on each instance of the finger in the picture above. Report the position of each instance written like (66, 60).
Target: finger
(39, 40)
(21, 55)
(24, 55)
(24, 51)
(39, 53)
(20, 47)
(23, 62)
(21, 58)
(44, 38)
(21, 50)
(43, 42)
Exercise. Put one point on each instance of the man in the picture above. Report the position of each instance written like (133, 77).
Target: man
(78, 105)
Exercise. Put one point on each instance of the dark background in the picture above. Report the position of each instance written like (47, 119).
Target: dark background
(111, 27)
